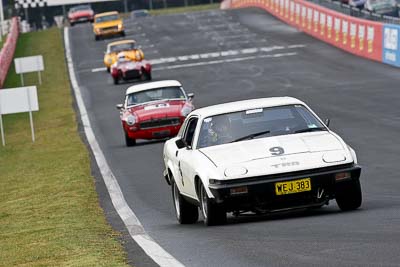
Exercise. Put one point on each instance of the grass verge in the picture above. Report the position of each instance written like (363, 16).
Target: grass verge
(49, 211)
(175, 10)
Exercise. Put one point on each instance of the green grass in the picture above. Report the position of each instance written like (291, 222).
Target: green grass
(175, 10)
(49, 210)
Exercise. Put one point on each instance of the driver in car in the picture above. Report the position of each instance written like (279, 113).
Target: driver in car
(219, 131)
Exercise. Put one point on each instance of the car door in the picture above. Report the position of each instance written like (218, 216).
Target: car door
(185, 159)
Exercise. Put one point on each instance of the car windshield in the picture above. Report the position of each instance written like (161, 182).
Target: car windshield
(79, 8)
(256, 123)
(122, 47)
(107, 18)
(141, 97)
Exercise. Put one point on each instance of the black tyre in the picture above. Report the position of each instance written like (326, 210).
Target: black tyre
(213, 213)
(129, 141)
(72, 24)
(108, 69)
(186, 213)
(96, 37)
(146, 76)
(123, 33)
(349, 196)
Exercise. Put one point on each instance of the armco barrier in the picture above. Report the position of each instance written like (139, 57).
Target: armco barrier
(7, 52)
(357, 36)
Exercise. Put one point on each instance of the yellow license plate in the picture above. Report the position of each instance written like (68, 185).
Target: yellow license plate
(291, 187)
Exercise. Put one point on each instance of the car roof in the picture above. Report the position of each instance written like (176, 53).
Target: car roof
(106, 14)
(121, 42)
(245, 105)
(151, 85)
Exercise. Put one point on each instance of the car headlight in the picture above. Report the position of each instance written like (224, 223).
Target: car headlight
(130, 120)
(185, 111)
(235, 171)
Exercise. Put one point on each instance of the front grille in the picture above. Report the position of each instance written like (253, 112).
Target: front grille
(132, 74)
(155, 123)
(113, 28)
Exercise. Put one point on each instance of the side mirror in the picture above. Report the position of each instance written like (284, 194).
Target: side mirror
(119, 106)
(190, 96)
(180, 143)
(327, 122)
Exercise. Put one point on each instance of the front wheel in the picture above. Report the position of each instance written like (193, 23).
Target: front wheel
(349, 196)
(129, 141)
(213, 213)
(186, 213)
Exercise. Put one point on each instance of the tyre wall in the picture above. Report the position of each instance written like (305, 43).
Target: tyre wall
(7, 52)
(364, 38)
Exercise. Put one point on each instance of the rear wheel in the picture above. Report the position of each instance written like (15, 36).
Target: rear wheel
(349, 196)
(116, 80)
(213, 213)
(123, 33)
(129, 141)
(96, 37)
(108, 69)
(186, 213)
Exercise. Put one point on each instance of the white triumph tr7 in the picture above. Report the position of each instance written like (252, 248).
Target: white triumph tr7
(260, 155)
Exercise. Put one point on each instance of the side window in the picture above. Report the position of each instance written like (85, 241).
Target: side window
(190, 129)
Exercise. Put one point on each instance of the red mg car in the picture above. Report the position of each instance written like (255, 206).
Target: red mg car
(80, 13)
(154, 110)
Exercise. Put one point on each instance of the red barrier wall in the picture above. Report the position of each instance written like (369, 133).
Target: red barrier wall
(7, 52)
(357, 36)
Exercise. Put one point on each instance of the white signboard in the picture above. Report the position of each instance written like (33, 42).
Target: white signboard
(28, 64)
(17, 100)
(72, 2)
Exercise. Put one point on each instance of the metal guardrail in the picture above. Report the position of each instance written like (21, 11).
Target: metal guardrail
(356, 12)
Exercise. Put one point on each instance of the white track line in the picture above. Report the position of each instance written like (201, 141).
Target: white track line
(204, 63)
(135, 228)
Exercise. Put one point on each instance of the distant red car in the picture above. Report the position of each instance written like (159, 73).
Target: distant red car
(154, 110)
(126, 69)
(82, 13)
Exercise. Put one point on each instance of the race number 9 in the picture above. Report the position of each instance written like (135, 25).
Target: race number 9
(276, 151)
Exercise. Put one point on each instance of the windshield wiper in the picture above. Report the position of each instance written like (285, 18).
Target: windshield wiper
(250, 136)
(310, 130)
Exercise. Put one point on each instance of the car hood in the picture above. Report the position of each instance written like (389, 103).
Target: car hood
(107, 24)
(301, 151)
(158, 109)
(82, 13)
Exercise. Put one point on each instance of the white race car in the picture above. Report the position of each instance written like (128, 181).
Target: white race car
(259, 156)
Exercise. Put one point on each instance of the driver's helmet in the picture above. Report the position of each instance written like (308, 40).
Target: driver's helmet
(221, 125)
(122, 57)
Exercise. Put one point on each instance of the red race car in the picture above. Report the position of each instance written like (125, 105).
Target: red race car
(80, 13)
(125, 69)
(154, 110)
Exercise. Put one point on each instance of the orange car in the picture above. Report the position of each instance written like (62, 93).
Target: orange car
(109, 23)
(127, 46)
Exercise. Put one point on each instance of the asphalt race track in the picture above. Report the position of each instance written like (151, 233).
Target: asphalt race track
(240, 54)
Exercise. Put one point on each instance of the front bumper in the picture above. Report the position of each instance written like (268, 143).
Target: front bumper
(261, 195)
(109, 31)
(153, 133)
